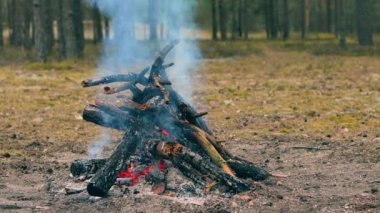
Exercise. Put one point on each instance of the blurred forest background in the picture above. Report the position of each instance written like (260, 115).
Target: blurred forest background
(62, 29)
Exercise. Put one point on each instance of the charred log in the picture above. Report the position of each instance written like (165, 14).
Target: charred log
(93, 114)
(179, 155)
(86, 167)
(106, 176)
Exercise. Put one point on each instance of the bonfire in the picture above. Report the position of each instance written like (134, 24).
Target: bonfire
(161, 129)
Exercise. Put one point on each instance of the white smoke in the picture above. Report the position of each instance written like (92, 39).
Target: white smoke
(95, 149)
(127, 47)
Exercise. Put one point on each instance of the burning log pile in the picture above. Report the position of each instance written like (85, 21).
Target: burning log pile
(161, 129)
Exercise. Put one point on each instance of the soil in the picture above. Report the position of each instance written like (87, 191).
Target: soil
(333, 170)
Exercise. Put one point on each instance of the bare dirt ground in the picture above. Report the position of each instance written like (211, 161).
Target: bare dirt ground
(313, 118)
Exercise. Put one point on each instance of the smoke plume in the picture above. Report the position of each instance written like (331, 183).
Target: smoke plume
(129, 46)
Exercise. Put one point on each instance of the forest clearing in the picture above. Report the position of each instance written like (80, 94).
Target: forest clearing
(189, 106)
(276, 110)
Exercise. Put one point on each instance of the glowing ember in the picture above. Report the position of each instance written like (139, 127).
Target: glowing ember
(135, 176)
(166, 133)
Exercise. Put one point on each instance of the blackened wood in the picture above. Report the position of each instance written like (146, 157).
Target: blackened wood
(158, 70)
(110, 79)
(106, 176)
(216, 173)
(133, 78)
(192, 116)
(86, 167)
(178, 103)
(177, 154)
(246, 169)
(191, 173)
(242, 168)
(95, 115)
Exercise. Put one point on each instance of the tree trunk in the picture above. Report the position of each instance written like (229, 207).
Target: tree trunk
(72, 28)
(302, 18)
(106, 27)
(222, 20)
(271, 19)
(321, 16)
(364, 22)
(69, 30)
(305, 17)
(61, 34)
(41, 40)
(329, 21)
(233, 8)
(246, 18)
(97, 25)
(78, 26)
(28, 12)
(214, 20)
(153, 22)
(49, 24)
(285, 26)
(16, 25)
(342, 24)
(240, 19)
(336, 18)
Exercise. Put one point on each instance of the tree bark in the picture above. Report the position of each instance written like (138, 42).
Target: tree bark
(214, 20)
(16, 23)
(271, 19)
(305, 18)
(222, 20)
(234, 22)
(49, 24)
(321, 16)
(28, 19)
(329, 18)
(240, 18)
(285, 34)
(247, 18)
(364, 22)
(61, 33)
(97, 25)
(342, 24)
(41, 37)
(106, 27)
(336, 18)
(72, 28)
(78, 26)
